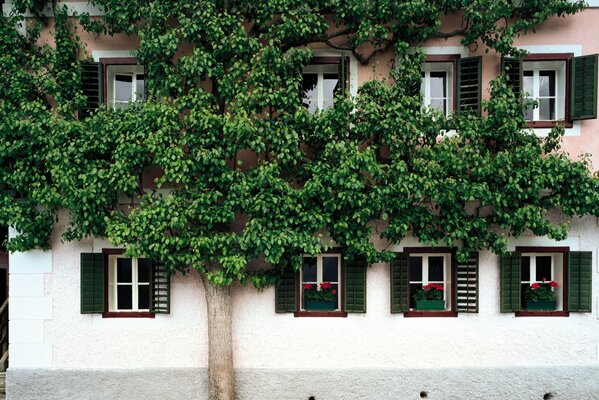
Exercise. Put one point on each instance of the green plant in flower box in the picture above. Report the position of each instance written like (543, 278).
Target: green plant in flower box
(323, 293)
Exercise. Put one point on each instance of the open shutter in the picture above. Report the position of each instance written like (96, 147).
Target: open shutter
(355, 286)
(160, 303)
(343, 75)
(583, 87)
(285, 292)
(469, 85)
(512, 67)
(579, 281)
(92, 283)
(91, 84)
(399, 283)
(466, 281)
(510, 282)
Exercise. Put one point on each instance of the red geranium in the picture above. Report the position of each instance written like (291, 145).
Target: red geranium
(307, 286)
(535, 285)
(334, 291)
(326, 285)
(553, 283)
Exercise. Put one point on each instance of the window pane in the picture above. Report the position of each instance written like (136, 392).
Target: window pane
(438, 82)
(330, 272)
(125, 296)
(143, 297)
(438, 104)
(529, 110)
(140, 87)
(144, 267)
(523, 288)
(543, 268)
(415, 269)
(525, 269)
(413, 288)
(309, 269)
(547, 109)
(435, 268)
(123, 270)
(310, 91)
(123, 85)
(528, 82)
(330, 83)
(546, 83)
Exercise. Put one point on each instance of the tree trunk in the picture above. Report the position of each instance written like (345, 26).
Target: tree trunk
(221, 377)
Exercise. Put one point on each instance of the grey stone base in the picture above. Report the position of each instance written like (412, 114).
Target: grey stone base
(554, 383)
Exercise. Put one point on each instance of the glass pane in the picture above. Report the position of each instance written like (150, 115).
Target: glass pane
(438, 104)
(546, 83)
(523, 288)
(335, 287)
(525, 269)
(125, 296)
(310, 91)
(330, 83)
(415, 269)
(435, 268)
(528, 82)
(309, 269)
(330, 272)
(123, 85)
(144, 267)
(143, 297)
(438, 83)
(140, 87)
(543, 268)
(547, 109)
(123, 270)
(413, 288)
(327, 104)
(529, 110)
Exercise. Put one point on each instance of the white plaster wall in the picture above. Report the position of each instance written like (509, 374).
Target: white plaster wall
(264, 339)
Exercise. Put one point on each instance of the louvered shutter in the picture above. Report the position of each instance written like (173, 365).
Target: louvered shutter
(91, 84)
(160, 302)
(92, 283)
(355, 286)
(466, 281)
(512, 67)
(399, 283)
(583, 87)
(579, 281)
(469, 78)
(343, 74)
(285, 292)
(510, 282)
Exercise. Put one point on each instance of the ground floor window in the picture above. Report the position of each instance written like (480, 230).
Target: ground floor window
(321, 282)
(542, 280)
(128, 283)
(430, 279)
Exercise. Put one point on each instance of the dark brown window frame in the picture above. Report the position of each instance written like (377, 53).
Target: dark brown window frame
(341, 313)
(566, 57)
(448, 58)
(452, 313)
(118, 314)
(106, 62)
(564, 250)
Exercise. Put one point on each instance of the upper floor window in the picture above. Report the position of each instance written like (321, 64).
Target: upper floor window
(544, 82)
(437, 87)
(322, 81)
(124, 84)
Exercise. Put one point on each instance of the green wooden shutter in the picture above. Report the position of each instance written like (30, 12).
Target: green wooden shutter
(92, 283)
(466, 281)
(583, 87)
(91, 84)
(512, 67)
(355, 286)
(160, 302)
(469, 79)
(579, 281)
(510, 282)
(400, 287)
(285, 292)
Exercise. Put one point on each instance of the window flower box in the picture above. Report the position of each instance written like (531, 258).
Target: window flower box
(430, 305)
(548, 305)
(320, 305)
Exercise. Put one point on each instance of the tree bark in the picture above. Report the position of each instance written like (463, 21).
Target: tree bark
(221, 377)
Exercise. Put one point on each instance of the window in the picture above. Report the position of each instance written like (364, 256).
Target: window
(321, 81)
(437, 86)
(320, 277)
(544, 82)
(124, 84)
(426, 269)
(128, 283)
(529, 269)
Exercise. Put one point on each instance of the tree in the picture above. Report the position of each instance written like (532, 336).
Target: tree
(254, 179)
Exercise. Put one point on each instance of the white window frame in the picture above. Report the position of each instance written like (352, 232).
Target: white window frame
(113, 284)
(112, 70)
(425, 87)
(559, 66)
(447, 275)
(556, 274)
(319, 273)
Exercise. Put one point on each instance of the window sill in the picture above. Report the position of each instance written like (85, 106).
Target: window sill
(549, 124)
(132, 314)
(339, 314)
(410, 314)
(542, 313)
